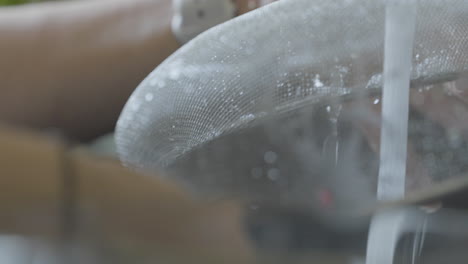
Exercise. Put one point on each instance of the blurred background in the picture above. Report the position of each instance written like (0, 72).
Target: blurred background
(296, 148)
(19, 2)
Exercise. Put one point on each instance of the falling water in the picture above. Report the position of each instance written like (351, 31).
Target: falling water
(331, 145)
(399, 34)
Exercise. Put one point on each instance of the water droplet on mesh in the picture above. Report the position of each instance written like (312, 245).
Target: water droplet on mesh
(273, 174)
(173, 126)
(135, 106)
(153, 82)
(376, 101)
(247, 117)
(216, 133)
(149, 97)
(161, 84)
(174, 74)
(328, 108)
(298, 91)
(317, 82)
(224, 39)
(270, 157)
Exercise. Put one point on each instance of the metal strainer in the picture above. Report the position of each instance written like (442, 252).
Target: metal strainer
(255, 106)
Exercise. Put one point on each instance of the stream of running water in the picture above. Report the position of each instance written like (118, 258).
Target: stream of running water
(400, 23)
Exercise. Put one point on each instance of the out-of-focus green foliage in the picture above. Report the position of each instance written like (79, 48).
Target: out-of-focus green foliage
(15, 2)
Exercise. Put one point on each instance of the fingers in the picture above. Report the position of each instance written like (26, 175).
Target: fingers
(244, 6)
(110, 204)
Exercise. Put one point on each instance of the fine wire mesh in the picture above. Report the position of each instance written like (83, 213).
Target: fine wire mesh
(246, 83)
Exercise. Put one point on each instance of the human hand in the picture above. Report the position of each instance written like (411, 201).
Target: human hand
(244, 6)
